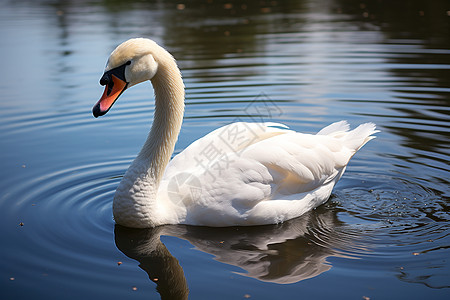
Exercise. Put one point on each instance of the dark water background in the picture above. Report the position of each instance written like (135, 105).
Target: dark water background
(384, 234)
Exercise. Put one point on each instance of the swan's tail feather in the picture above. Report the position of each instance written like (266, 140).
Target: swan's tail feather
(359, 136)
(355, 138)
(341, 126)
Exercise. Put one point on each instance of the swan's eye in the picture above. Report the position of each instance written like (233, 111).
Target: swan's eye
(128, 62)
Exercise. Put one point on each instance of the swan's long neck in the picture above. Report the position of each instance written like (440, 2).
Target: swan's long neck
(135, 203)
(168, 117)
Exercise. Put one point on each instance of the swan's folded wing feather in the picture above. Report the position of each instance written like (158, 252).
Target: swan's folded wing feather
(300, 163)
(228, 139)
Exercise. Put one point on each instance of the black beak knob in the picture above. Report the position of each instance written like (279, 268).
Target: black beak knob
(105, 79)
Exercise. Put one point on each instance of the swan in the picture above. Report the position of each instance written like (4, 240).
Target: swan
(241, 174)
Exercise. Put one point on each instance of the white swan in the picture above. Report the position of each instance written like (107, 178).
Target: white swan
(239, 174)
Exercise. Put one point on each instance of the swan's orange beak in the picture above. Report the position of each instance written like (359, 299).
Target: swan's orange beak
(113, 89)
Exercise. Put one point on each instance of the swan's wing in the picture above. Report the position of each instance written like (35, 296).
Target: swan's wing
(274, 177)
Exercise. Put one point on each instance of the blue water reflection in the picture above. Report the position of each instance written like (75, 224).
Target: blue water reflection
(384, 232)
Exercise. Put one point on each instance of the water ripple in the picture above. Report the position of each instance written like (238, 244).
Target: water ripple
(401, 221)
(67, 216)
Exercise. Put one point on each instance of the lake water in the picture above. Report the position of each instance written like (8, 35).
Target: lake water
(384, 234)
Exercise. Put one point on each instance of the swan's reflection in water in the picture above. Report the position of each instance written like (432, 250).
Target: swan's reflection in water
(145, 246)
(283, 253)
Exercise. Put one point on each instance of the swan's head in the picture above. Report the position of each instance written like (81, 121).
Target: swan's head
(132, 62)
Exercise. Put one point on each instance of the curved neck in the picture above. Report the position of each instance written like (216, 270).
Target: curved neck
(168, 117)
(135, 203)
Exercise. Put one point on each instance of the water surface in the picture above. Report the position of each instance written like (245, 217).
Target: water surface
(384, 233)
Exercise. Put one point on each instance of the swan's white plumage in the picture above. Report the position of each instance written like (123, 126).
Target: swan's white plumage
(271, 180)
(239, 174)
